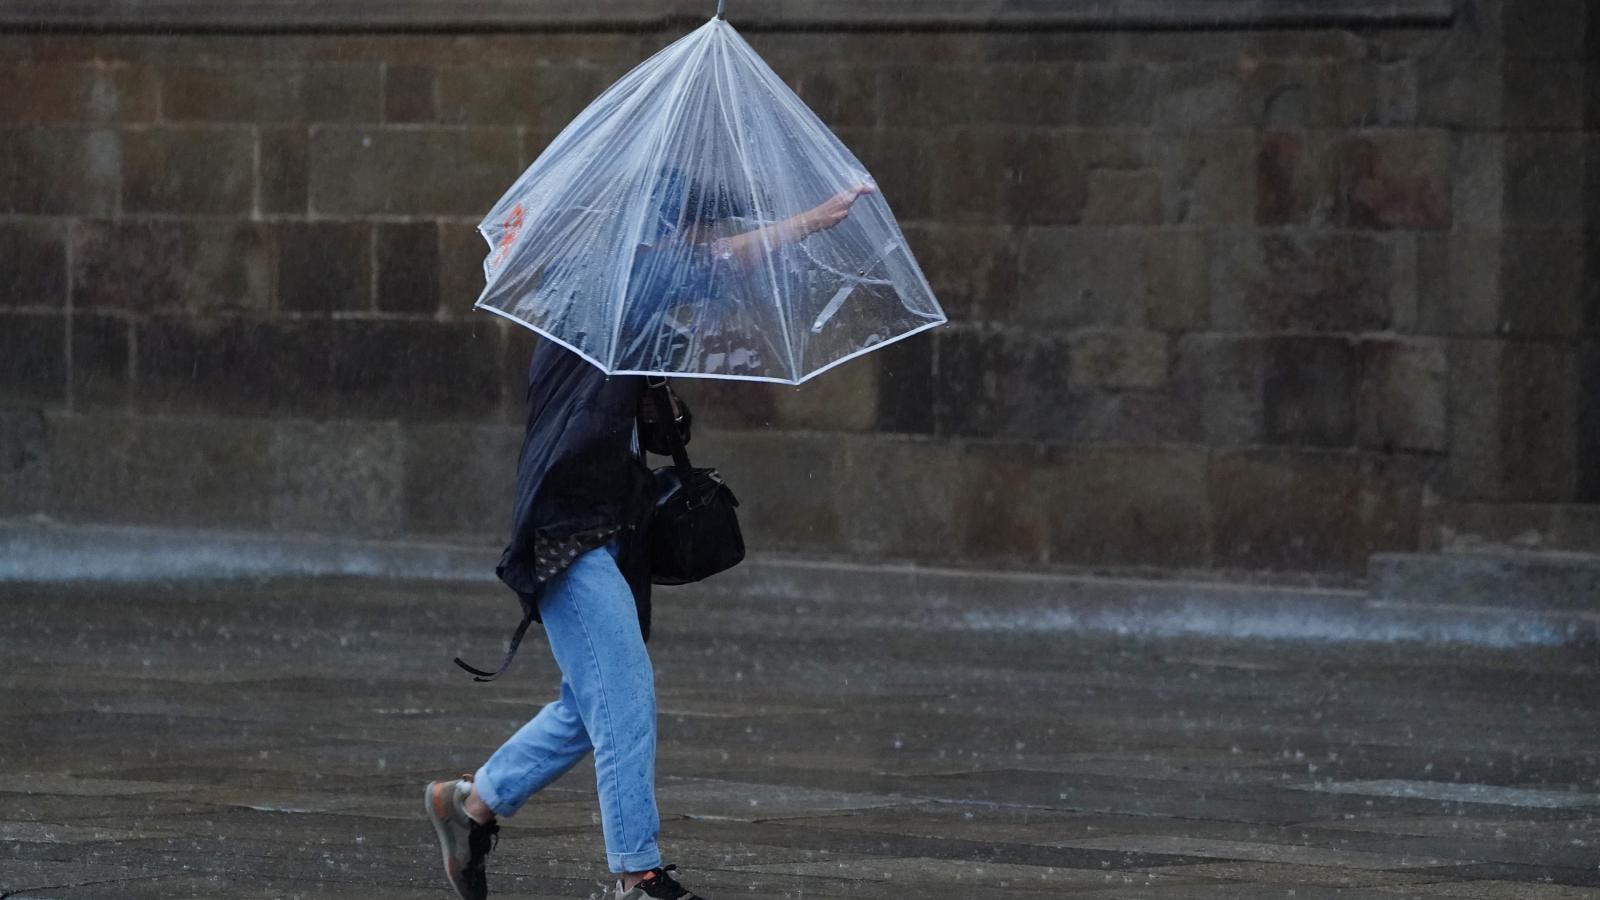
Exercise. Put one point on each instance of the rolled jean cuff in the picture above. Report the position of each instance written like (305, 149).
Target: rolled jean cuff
(487, 793)
(638, 861)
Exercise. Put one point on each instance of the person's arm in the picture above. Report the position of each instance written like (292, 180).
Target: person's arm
(749, 246)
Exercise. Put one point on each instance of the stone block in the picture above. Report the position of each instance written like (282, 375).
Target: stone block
(906, 385)
(144, 265)
(1451, 94)
(1141, 417)
(1119, 197)
(1203, 94)
(60, 171)
(33, 264)
(414, 369)
(24, 462)
(1475, 468)
(1544, 94)
(1459, 282)
(1113, 95)
(1309, 397)
(907, 168)
(347, 92)
(1310, 510)
(231, 367)
(842, 399)
(161, 471)
(416, 171)
(1206, 176)
(1177, 280)
(408, 267)
(1398, 93)
(1291, 182)
(794, 490)
(337, 477)
(952, 95)
(1224, 377)
(1004, 504)
(1081, 278)
(1001, 385)
(546, 96)
(101, 351)
(1545, 178)
(1049, 172)
(1118, 359)
(324, 267)
(894, 498)
(1540, 402)
(188, 170)
(409, 94)
(61, 92)
(1547, 288)
(33, 359)
(459, 478)
(972, 269)
(1279, 281)
(1553, 29)
(1402, 398)
(1129, 506)
(283, 186)
(461, 254)
(1392, 180)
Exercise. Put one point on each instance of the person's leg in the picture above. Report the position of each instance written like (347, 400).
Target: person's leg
(539, 753)
(593, 626)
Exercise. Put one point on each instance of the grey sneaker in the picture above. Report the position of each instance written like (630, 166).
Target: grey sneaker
(463, 842)
(657, 884)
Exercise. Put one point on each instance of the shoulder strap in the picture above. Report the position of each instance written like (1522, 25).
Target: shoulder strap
(661, 395)
(511, 651)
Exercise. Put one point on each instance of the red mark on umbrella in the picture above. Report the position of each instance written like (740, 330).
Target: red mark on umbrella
(513, 227)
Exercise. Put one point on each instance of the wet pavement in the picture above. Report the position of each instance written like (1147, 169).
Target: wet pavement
(271, 739)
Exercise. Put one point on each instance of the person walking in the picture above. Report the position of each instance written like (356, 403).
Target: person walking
(579, 562)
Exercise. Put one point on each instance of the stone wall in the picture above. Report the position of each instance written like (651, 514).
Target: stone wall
(1221, 297)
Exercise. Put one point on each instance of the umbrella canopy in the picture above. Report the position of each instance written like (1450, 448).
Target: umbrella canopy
(699, 220)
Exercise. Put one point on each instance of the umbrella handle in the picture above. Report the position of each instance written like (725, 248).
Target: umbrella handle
(722, 9)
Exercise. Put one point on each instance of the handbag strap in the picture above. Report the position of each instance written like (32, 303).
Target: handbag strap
(661, 395)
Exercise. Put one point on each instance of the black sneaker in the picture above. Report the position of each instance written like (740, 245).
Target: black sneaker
(462, 840)
(657, 884)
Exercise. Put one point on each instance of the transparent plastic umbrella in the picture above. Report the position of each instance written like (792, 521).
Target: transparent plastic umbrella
(699, 220)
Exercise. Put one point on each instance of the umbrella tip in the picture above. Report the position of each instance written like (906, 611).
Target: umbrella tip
(722, 9)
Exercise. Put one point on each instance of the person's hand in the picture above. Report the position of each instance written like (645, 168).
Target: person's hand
(834, 210)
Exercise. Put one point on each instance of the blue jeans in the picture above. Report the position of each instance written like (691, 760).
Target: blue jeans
(607, 704)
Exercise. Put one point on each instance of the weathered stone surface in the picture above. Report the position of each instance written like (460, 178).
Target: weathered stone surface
(908, 172)
(1309, 396)
(283, 183)
(795, 490)
(1081, 277)
(1310, 510)
(1459, 280)
(279, 93)
(60, 171)
(973, 270)
(842, 96)
(906, 385)
(1177, 280)
(1290, 178)
(1129, 506)
(1206, 176)
(1225, 377)
(1119, 197)
(59, 92)
(1049, 173)
(409, 94)
(344, 477)
(1136, 417)
(1456, 95)
(461, 280)
(231, 367)
(33, 265)
(893, 498)
(1113, 95)
(408, 268)
(1001, 385)
(162, 470)
(1480, 181)
(1541, 389)
(1543, 173)
(188, 170)
(1118, 359)
(459, 478)
(413, 370)
(546, 96)
(143, 265)
(1544, 94)
(1475, 469)
(33, 359)
(1038, 94)
(1393, 180)
(324, 267)
(1280, 281)
(1402, 397)
(101, 351)
(24, 462)
(1547, 286)
(388, 171)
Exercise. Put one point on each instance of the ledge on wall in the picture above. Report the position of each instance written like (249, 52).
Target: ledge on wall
(494, 15)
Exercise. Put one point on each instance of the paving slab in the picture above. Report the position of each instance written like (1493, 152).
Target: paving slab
(264, 738)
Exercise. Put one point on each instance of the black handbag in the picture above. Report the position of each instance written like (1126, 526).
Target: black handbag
(695, 533)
